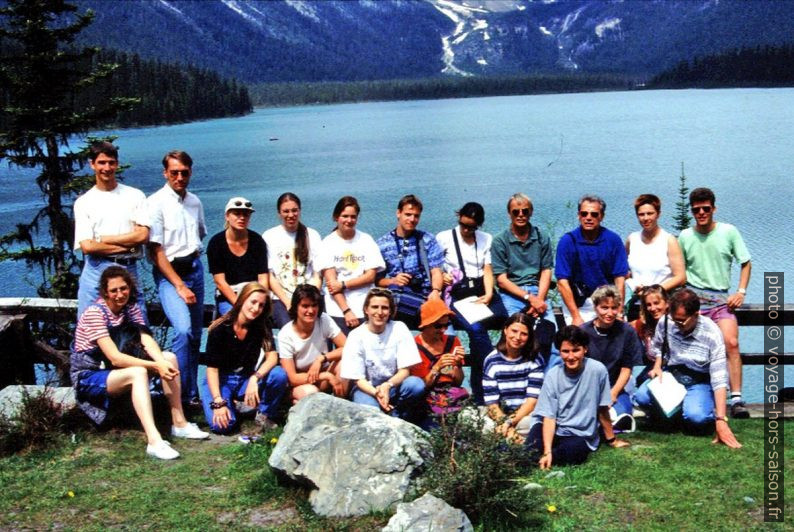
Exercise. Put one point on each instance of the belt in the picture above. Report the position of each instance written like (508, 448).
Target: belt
(124, 261)
(193, 256)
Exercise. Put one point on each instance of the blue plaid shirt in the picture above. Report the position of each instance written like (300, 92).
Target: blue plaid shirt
(401, 255)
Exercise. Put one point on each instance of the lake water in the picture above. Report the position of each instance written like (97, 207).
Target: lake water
(739, 142)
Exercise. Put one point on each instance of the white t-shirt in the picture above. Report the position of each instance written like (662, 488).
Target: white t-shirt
(283, 263)
(113, 212)
(304, 350)
(351, 258)
(475, 256)
(649, 263)
(377, 357)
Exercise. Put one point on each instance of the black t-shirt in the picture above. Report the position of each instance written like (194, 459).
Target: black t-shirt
(619, 347)
(230, 355)
(237, 269)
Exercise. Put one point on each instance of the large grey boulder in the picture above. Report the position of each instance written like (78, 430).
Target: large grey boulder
(11, 397)
(357, 459)
(428, 513)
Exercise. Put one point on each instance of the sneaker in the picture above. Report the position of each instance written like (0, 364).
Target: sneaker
(190, 432)
(245, 439)
(624, 423)
(162, 450)
(264, 422)
(739, 410)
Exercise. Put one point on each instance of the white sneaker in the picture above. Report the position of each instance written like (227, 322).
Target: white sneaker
(190, 432)
(162, 450)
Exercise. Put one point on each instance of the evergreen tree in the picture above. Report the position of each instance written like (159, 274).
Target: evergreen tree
(42, 77)
(682, 218)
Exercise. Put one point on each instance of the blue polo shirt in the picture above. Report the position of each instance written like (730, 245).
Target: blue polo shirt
(599, 261)
(521, 261)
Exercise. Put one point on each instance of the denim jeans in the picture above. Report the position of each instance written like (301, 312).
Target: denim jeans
(232, 386)
(565, 450)
(186, 322)
(405, 398)
(697, 410)
(513, 304)
(88, 290)
(480, 345)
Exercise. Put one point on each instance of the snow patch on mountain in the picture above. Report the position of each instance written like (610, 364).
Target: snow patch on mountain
(172, 8)
(545, 31)
(607, 25)
(304, 8)
(235, 6)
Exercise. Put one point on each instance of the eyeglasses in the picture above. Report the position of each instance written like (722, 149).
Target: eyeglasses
(682, 323)
(522, 212)
(183, 173)
(704, 208)
(440, 325)
(469, 227)
(591, 214)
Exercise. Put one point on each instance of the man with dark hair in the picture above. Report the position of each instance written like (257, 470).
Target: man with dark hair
(414, 262)
(175, 250)
(709, 249)
(111, 224)
(696, 358)
(588, 257)
(573, 402)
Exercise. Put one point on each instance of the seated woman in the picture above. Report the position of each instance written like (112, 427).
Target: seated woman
(573, 401)
(653, 305)
(377, 357)
(615, 344)
(512, 377)
(96, 386)
(468, 272)
(349, 260)
(234, 343)
(442, 358)
(303, 346)
(236, 256)
(291, 252)
(654, 254)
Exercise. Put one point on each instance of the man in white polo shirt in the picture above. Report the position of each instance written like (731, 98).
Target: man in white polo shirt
(175, 250)
(111, 225)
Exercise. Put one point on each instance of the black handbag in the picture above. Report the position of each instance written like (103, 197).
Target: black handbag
(467, 286)
(579, 289)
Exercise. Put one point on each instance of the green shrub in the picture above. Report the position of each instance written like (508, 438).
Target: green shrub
(479, 473)
(39, 423)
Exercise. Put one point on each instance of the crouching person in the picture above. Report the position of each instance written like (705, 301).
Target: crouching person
(114, 354)
(574, 400)
(377, 358)
(234, 371)
(692, 347)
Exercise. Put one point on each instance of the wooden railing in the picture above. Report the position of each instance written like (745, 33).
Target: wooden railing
(15, 311)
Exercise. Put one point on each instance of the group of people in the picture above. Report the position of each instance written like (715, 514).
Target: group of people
(344, 307)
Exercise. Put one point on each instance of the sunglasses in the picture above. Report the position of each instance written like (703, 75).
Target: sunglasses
(381, 292)
(706, 209)
(591, 214)
(470, 227)
(522, 212)
(440, 325)
(246, 204)
(183, 173)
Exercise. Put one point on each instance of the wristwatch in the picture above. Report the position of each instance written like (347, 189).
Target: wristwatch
(742, 291)
(526, 297)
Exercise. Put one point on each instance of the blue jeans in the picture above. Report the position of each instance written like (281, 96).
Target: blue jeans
(232, 386)
(480, 345)
(405, 398)
(88, 290)
(513, 304)
(186, 322)
(697, 410)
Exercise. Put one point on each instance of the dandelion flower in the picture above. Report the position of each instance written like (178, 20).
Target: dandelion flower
(551, 508)
(273, 441)
(70, 493)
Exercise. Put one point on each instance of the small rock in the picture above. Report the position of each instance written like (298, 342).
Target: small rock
(556, 474)
(571, 487)
(11, 397)
(533, 486)
(749, 500)
(428, 513)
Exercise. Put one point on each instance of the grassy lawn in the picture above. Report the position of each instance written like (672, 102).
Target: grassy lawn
(665, 481)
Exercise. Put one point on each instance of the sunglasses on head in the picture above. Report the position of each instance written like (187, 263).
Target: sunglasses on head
(246, 204)
(522, 212)
(183, 173)
(591, 214)
(705, 208)
(380, 292)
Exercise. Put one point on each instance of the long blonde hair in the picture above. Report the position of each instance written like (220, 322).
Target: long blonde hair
(261, 323)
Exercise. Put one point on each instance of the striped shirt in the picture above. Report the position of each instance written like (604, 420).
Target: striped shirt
(92, 325)
(701, 350)
(511, 382)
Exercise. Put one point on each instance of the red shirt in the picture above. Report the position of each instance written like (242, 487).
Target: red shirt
(428, 359)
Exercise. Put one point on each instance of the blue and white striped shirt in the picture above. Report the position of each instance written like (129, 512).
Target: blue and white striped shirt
(511, 382)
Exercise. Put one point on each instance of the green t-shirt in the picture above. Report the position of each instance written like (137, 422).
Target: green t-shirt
(709, 257)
